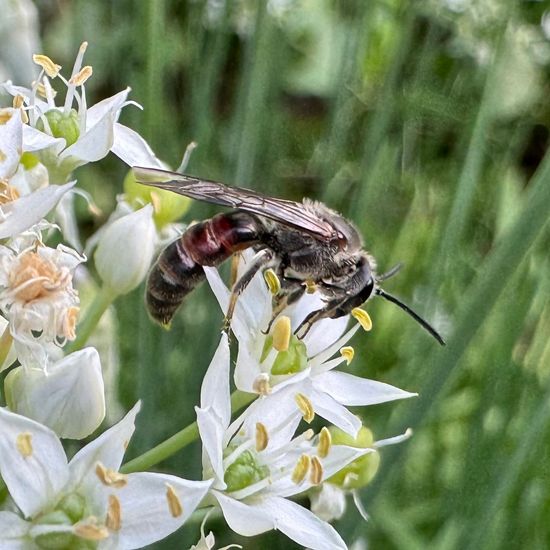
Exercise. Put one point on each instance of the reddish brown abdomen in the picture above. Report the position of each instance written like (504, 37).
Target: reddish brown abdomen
(178, 269)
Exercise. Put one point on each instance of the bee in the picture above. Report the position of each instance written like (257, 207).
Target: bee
(306, 244)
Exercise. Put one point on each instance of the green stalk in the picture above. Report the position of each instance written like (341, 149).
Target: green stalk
(103, 299)
(179, 440)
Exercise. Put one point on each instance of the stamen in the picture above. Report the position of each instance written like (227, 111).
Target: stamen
(24, 444)
(316, 475)
(5, 116)
(155, 201)
(282, 332)
(52, 70)
(325, 442)
(8, 193)
(18, 101)
(363, 317)
(347, 353)
(301, 469)
(174, 503)
(262, 437)
(109, 477)
(273, 282)
(305, 406)
(311, 286)
(43, 91)
(81, 76)
(261, 384)
(90, 530)
(114, 514)
(69, 325)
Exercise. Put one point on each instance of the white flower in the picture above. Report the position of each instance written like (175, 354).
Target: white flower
(66, 396)
(20, 205)
(63, 137)
(65, 504)
(37, 295)
(126, 249)
(328, 502)
(257, 464)
(305, 369)
(207, 542)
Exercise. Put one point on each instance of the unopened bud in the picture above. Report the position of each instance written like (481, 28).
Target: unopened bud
(125, 251)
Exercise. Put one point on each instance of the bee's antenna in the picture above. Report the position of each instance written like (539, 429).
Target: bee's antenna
(395, 269)
(414, 315)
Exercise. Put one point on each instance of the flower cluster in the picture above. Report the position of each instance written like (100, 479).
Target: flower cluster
(255, 465)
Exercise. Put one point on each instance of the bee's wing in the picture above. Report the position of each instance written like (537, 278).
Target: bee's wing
(290, 213)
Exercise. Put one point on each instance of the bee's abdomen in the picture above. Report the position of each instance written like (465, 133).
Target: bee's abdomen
(178, 269)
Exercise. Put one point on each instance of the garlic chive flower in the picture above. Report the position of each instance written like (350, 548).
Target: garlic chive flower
(304, 371)
(85, 502)
(72, 134)
(22, 204)
(257, 463)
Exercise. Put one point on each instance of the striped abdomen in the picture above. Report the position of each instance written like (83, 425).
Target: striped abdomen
(178, 269)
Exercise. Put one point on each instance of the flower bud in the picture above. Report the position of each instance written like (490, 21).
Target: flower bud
(62, 125)
(360, 472)
(168, 206)
(68, 397)
(125, 250)
(328, 502)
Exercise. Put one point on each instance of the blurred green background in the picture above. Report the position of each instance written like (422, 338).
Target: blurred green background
(427, 124)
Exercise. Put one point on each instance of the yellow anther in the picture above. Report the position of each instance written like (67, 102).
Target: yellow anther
(41, 90)
(18, 101)
(301, 469)
(174, 503)
(261, 384)
(155, 201)
(90, 530)
(347, 353)
(281, 333)
(69, 324)
(316, 475)
(8, 193)
(262, 437)
(5, 116)
(24, 444)
(109, 477)
(114, 514)
(81, 76)
(325, 442)
(311, 286)
(363, 317)
(52, 70)
(272, 281)
(305, 406)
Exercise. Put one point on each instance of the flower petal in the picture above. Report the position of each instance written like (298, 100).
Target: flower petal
(30, 209)
(68, 398)
(108, 448)
(329, 409)
(244, 519)
(146, 514)
(129, 146)
(215, 385)
(324, 333)
(13, 531)
(93, 145)
(32, 462)
(11, 137)
(111, 104)
(35, 140)
(211, 432)
(352, 390)
(301, 525)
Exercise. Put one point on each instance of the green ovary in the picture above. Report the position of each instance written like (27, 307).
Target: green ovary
(62, 125)
(244, 472)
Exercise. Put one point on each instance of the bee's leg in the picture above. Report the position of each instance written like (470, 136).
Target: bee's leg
(291, 291)
(330, 311)
(261, 260)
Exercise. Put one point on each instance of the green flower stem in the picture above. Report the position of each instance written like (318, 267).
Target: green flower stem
(180, 439)
(103, 299)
